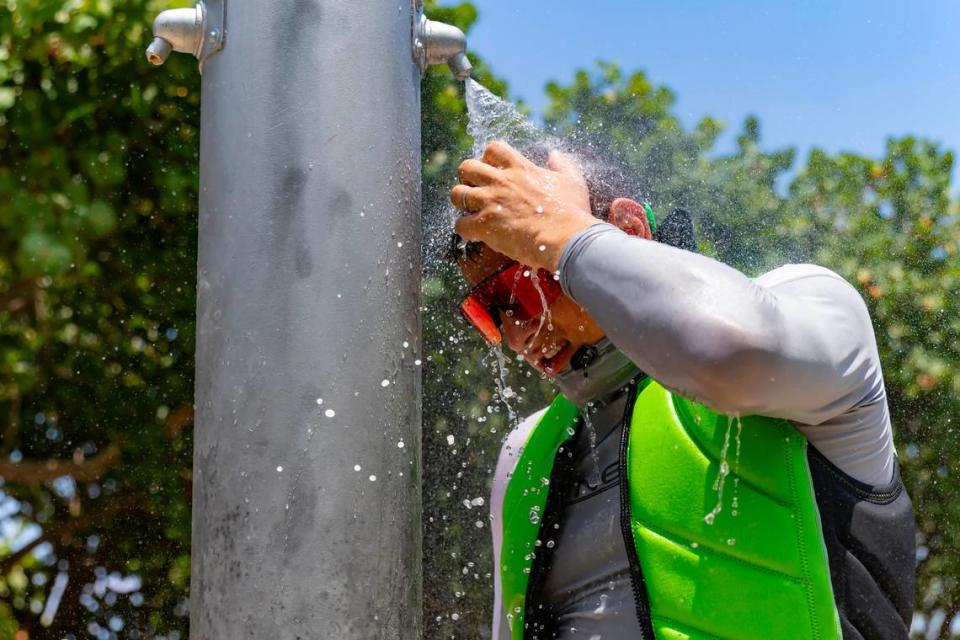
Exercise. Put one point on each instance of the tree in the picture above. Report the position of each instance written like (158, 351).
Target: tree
(98, 192)
(98, 199)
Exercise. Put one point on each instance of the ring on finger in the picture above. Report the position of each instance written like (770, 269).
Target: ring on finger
(463, 198)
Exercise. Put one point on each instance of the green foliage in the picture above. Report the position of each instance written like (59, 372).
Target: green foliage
(98, 192)
(8, 626)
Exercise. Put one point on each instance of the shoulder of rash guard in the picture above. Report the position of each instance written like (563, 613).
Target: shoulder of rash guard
(812, 279)
(792, 272)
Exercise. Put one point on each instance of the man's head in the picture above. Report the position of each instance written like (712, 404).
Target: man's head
(527, 309)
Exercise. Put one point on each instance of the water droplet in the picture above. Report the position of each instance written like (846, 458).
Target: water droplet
(539, 208)
(357, 467)
(694, 545)
(400, 445)
(417, 362)
(478, 524)
(319, 401)
(373, 478)
(280, 469)
(330, 413)
(731, 542)
(384, 383)
(542, 247)
(450, 440)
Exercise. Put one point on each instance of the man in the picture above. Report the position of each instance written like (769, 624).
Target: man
(634, 507)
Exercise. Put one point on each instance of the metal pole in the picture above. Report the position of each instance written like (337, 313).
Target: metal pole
(306, 517)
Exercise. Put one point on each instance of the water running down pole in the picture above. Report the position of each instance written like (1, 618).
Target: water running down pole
(306, 512)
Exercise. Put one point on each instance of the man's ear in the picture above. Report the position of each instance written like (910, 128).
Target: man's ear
(631, 217)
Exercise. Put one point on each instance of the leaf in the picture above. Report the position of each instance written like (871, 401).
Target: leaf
(40, 254)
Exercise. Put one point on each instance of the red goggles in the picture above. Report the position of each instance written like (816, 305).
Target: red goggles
(516, 290)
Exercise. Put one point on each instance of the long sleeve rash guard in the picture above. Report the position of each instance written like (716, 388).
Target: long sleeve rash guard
(796, 343)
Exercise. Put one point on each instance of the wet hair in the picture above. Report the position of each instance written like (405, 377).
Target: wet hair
(607, 179)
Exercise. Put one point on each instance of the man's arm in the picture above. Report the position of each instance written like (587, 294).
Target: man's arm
(798, 346)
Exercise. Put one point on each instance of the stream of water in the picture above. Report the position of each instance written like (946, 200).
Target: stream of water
(491, 118)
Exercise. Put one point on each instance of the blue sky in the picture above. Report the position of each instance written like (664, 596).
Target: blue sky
(836, 74)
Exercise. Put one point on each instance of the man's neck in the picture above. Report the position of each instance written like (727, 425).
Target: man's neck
(600, 378)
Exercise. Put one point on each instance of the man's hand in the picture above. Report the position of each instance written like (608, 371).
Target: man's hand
(519, 209)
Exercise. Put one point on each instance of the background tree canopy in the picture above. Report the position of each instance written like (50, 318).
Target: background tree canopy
(98, 199)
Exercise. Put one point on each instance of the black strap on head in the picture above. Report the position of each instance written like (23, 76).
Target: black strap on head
(677, 231)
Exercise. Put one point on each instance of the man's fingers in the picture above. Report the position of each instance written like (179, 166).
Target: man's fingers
(502, 156)
(469, 227)
(565, 164)
(466, 198)
(477, 174)
(631, 217)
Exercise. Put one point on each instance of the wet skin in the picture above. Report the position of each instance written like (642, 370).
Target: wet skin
(567, 328)
(525, 213)
(520, 209)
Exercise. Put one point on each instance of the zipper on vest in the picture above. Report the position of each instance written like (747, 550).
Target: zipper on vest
(538, 619)
(636, 573)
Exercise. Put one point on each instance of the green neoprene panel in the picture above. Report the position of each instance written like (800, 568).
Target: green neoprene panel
(762, 573)
(523, 504)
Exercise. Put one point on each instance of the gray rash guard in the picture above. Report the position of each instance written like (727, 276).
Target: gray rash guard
(796, 343)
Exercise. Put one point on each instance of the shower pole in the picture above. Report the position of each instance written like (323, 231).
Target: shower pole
(306, 504)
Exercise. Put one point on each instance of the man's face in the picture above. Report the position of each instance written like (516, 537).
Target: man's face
(548, 341)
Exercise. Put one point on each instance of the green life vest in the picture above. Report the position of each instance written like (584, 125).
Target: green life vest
(756, 569)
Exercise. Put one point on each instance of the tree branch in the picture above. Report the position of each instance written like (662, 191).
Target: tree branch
(177, 420)
(13, 299)
(62, 535)
(13, 425)
(35, 473)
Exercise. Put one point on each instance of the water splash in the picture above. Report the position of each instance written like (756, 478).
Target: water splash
(545, 318)
(735, 502)
(492, 118)
(503, 388)
(722, 474)
(594, 479)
